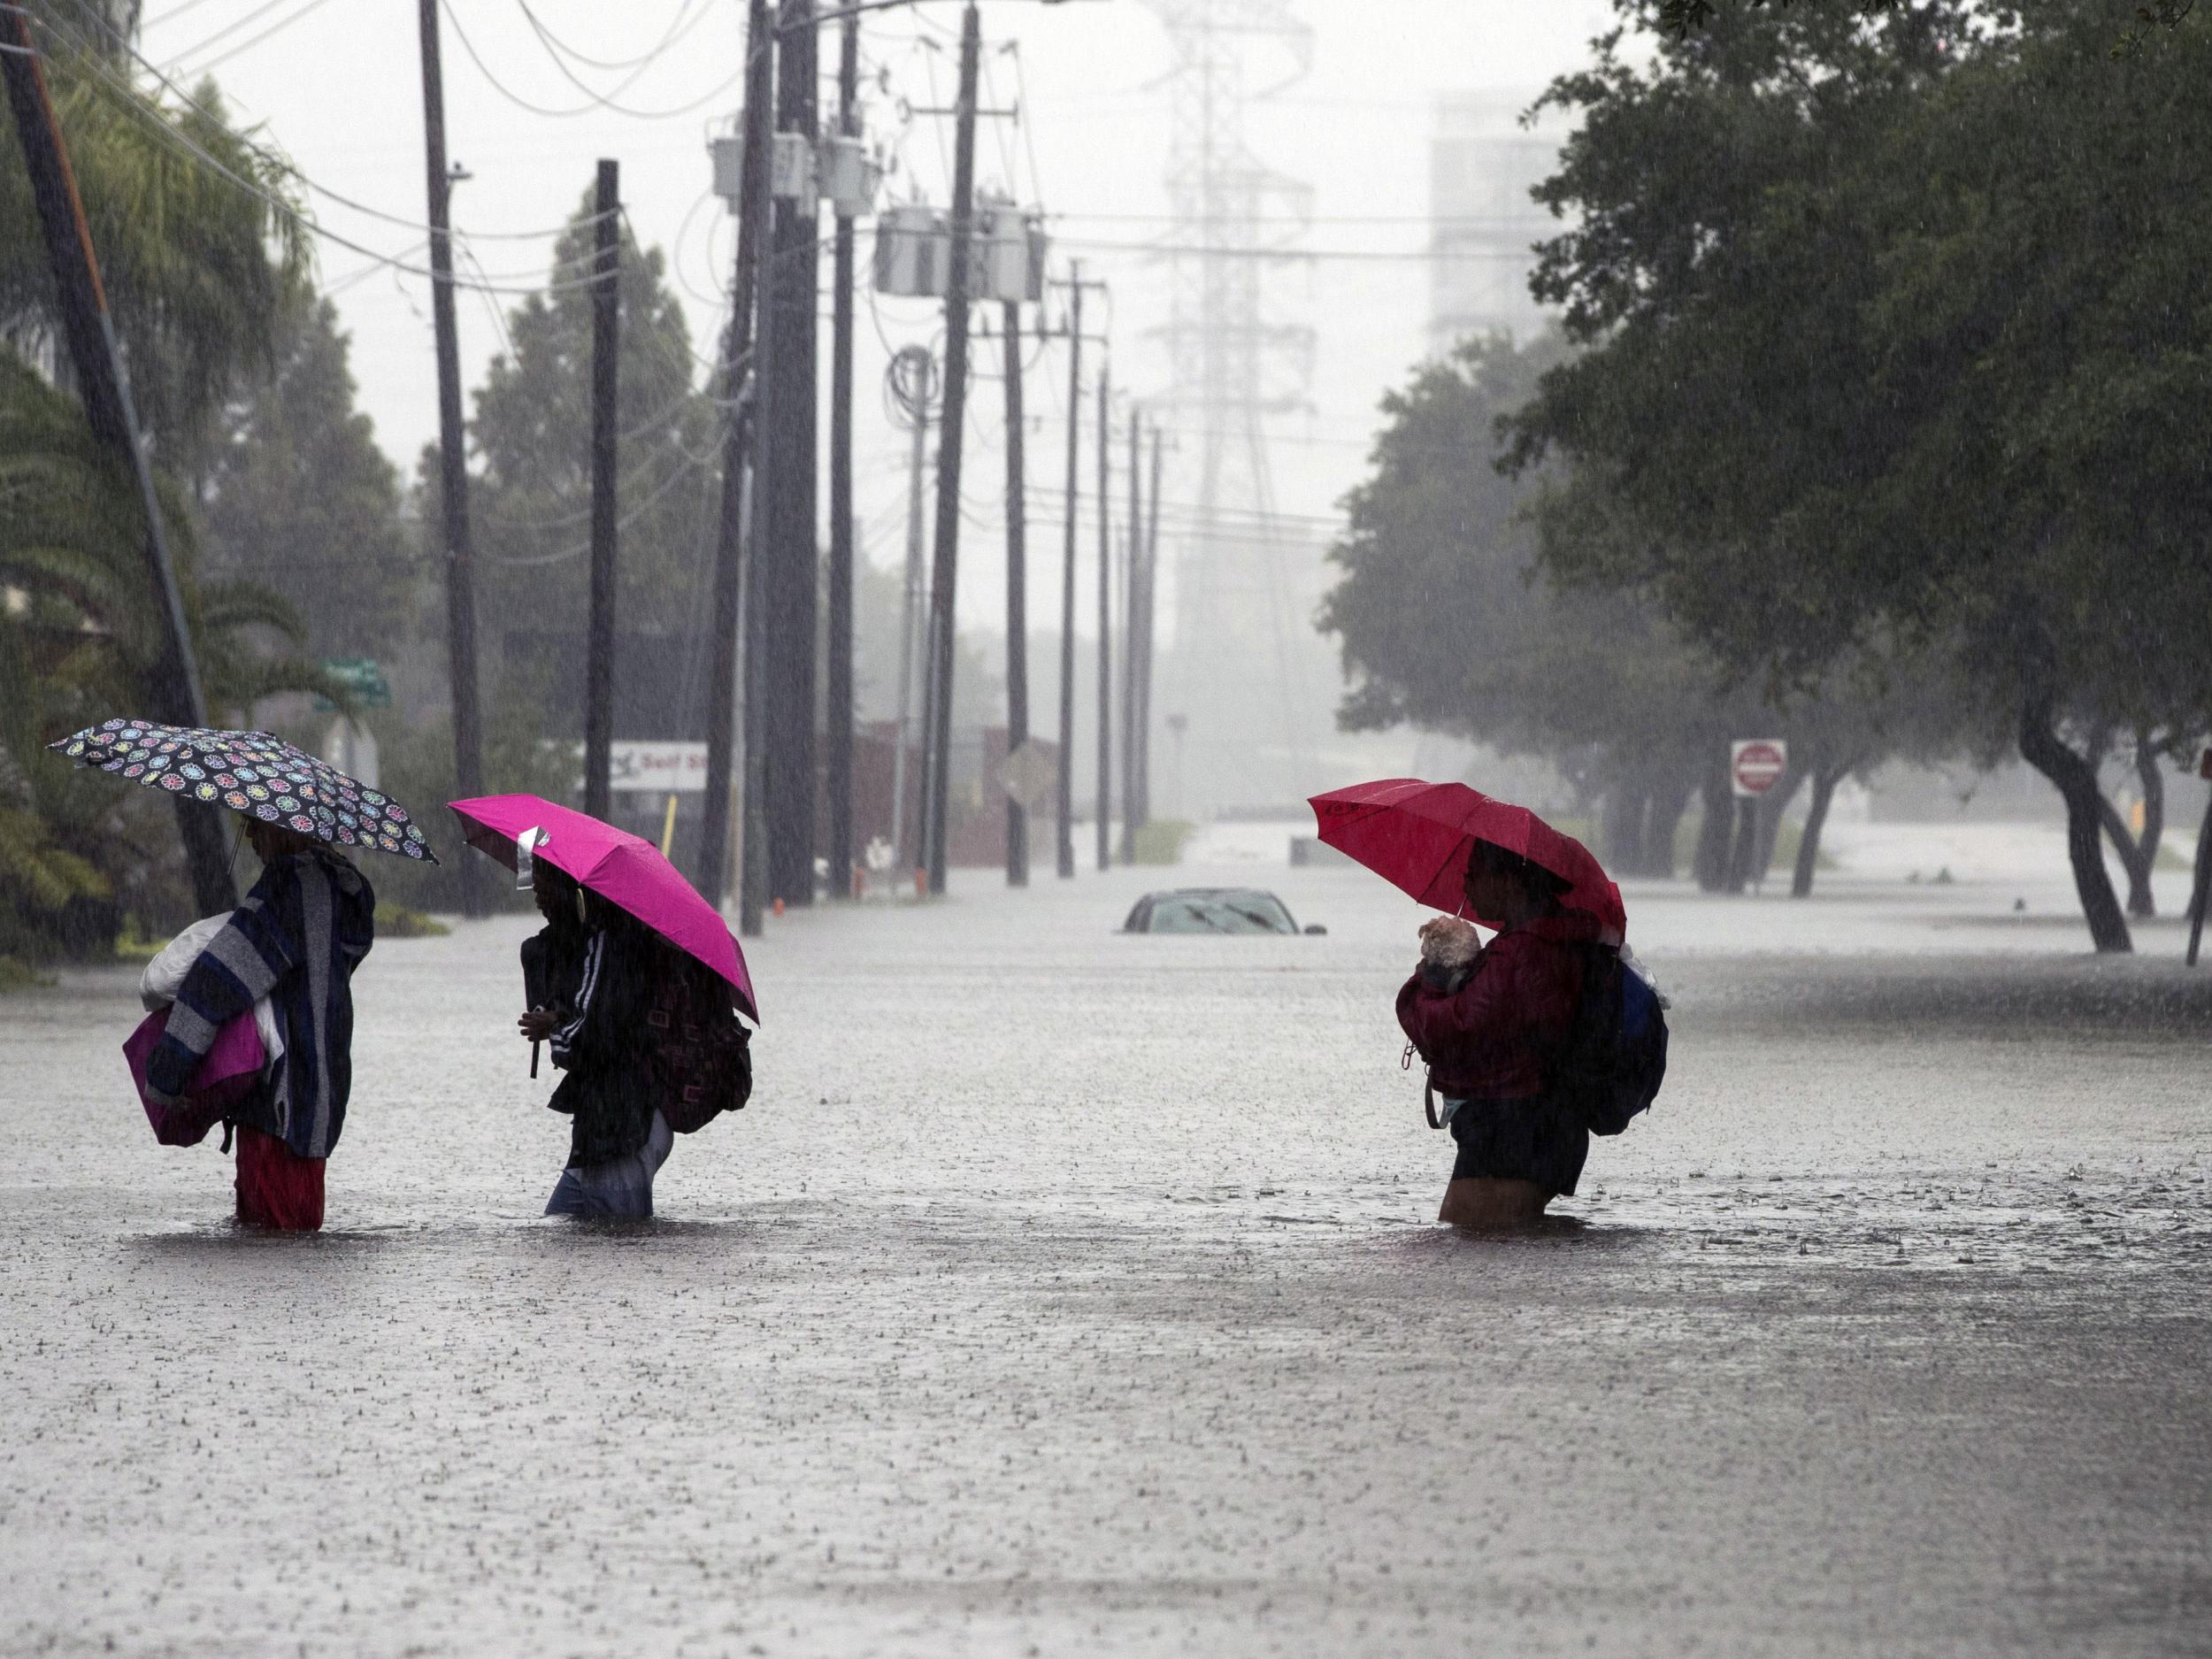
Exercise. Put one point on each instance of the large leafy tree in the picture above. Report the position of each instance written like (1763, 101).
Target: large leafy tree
(296, 496)
(532, 437)
(1449, 622)
(198, 270)
(1890, 341)
(198, 267)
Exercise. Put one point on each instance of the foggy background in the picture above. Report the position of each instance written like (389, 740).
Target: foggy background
(1362, 105)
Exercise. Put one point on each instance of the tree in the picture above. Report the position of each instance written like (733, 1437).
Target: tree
(79, 641)
(198, 270)
(1446, 623)
(297, 494)
(531, 433)
(1888, 350)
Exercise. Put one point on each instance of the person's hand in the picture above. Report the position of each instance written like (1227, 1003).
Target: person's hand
(537, 1025)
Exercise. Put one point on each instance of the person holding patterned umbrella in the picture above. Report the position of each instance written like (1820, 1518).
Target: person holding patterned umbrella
(295, 939)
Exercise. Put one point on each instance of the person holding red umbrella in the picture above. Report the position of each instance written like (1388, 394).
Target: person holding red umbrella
(1537, 1039)
(1489, 1022)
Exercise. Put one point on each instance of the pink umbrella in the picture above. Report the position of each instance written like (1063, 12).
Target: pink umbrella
(623, 869)
(1418, 836)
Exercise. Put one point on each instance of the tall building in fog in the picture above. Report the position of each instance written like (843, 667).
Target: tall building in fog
(1482, 164)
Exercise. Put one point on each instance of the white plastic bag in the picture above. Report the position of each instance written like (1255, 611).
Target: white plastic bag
(163, 978)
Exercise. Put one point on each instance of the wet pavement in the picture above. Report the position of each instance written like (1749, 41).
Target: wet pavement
(1064, 1293)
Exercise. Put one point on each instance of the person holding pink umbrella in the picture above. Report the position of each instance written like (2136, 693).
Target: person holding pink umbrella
(631, 982)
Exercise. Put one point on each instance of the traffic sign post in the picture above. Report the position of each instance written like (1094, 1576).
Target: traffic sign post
(1755, 765)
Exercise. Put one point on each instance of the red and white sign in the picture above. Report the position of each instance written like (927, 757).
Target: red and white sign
(1756, 764)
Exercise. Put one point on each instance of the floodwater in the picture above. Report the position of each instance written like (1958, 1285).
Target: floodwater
(1066, 1293)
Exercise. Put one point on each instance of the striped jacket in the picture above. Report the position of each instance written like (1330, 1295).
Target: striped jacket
(296, 939)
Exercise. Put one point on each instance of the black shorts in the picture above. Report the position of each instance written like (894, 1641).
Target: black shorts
(1519, 1140)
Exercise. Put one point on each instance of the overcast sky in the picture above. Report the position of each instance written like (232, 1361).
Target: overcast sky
(338, 87)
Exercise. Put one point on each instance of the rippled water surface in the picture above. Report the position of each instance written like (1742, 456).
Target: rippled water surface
(1064, 1293)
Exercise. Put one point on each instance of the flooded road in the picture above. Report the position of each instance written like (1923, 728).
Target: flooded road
(1063, 1293)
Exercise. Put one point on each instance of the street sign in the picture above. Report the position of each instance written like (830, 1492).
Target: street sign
(1028, 776)
(1756, 764)
(363, 678)
(673, 767)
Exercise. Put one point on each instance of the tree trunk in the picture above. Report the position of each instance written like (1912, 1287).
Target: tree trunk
(1716, 836)
(2154, 783)
(1825, 782)
(1621, 828)
(2132, 859)
(1771, 810)
(2075, 781)
(1669, 802)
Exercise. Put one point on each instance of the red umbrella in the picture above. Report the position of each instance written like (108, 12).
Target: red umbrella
(625, 870)
(1418, 836)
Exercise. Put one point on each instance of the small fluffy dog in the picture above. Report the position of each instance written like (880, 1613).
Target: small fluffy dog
(1449, 947)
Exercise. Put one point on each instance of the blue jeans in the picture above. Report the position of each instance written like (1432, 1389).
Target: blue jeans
(618, 1188)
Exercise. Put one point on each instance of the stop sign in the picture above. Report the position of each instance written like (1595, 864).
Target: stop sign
(1756, 764)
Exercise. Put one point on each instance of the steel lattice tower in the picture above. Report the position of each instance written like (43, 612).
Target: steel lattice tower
(1230, 365)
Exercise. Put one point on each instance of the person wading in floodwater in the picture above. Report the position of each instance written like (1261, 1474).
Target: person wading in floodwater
(590, 976)
(296, 940)
(1490, 1021)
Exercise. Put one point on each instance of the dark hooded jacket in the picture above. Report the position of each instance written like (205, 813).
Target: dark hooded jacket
(598, 982)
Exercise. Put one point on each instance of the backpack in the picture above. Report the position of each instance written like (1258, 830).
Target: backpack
(697, 1053)
(1614, 1057)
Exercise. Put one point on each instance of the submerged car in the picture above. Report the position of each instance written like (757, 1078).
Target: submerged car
(1212, 911)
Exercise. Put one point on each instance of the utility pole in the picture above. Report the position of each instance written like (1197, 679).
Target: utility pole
(841, 485)
(913, 384)
(1017, 599)
(766, 412)
(453, 479)
(606, 347)
(1066, 802)
(1141, 732)
(713, 877)
(1131, 652)
(936, 774)
(789, 560)
(104, 387)
(1105, 629)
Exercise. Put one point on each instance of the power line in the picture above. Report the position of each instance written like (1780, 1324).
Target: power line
(595, 101)
(270, 158)
(677, 28)
(259, 11)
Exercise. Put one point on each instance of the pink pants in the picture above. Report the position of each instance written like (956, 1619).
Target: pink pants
(277, 1188)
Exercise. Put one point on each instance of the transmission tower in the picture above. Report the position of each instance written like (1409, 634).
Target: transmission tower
(1239, 629)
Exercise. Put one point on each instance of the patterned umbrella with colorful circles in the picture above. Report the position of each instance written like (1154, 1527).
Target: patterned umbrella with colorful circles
(253, 772)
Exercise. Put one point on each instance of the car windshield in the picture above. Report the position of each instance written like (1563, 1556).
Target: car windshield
(1230, 912)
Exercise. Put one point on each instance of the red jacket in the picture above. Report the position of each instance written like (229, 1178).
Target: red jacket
(1488, 1039)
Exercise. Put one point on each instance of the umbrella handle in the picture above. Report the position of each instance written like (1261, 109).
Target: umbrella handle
(533, 1059)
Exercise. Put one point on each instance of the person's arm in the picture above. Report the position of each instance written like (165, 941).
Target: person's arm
(1486, 1009)
(241, 965)
(604, 1017)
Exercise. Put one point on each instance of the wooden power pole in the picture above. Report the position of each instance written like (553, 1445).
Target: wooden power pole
(839, 665)
(1132, 652)
(1066, 795)
(713, 874)
(453, 477)
(606, 350)
(937, 793)
(1017, 599)
(1105, 628)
